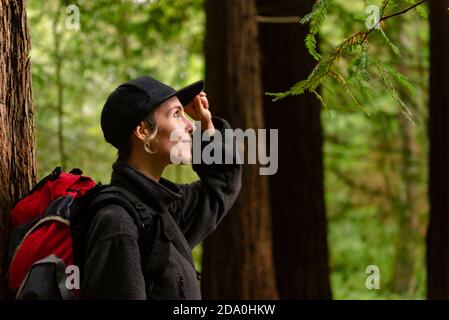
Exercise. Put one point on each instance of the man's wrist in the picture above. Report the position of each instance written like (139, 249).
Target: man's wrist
(207, 125)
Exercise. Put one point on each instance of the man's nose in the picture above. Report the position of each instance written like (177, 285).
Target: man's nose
(190, 126)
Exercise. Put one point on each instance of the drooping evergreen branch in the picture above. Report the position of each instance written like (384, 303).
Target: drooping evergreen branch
(354, 44)
(393, 15)
(403, 11)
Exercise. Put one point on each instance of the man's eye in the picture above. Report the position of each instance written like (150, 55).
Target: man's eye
(177, 114)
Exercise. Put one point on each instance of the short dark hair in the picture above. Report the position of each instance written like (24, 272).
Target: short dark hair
(124, 151)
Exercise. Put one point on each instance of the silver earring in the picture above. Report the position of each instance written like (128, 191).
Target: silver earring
(147, 147)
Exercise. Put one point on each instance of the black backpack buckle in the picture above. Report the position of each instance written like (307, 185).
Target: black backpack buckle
(55, 173)
(144, 213)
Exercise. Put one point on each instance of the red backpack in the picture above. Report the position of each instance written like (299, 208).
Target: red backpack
(49, 231)
(41, 239)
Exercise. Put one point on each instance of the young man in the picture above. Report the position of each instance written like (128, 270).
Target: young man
(138, 119)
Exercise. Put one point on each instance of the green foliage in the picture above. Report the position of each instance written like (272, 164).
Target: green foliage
(364, 159)
(317, 16)
(354, 49)
(310, 42)
(316, 19)
(386, 72)
(423, 11)
(389, 43)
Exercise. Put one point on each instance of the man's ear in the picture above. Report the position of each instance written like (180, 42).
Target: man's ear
(141, 131)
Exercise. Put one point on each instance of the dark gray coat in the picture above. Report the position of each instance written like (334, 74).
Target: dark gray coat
(113, 267)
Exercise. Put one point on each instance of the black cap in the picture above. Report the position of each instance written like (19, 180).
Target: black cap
(131, 102)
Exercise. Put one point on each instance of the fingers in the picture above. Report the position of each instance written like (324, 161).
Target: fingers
(198, 103)
(205, 102)
(196, 107)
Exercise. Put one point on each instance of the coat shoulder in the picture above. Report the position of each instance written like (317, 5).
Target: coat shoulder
(113, 220)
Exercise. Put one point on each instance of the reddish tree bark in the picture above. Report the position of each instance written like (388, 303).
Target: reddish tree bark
(17, 142)
(297, 192)
(237, 259)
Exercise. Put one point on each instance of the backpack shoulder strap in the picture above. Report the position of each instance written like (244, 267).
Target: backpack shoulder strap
(116, 195)
(153, 243)
(159, 232)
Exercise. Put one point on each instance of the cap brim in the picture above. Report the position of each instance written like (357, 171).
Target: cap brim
(186, 94)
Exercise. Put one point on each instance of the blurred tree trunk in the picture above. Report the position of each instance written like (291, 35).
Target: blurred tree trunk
(297, 192)
(404, 280)
(438, 230)
(17, 143)
(237, 258)
(405, 261)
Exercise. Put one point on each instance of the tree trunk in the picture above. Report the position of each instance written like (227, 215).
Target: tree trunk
(438, 230)
(237, 258)
(297, 192)
(407, 209)
(17, 143)
(404, 281)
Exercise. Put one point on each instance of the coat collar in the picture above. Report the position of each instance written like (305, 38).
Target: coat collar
(153, 193)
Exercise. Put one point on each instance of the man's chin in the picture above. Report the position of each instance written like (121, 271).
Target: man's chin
(182, 161)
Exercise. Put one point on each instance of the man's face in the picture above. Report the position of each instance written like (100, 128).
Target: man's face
(174, 133)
